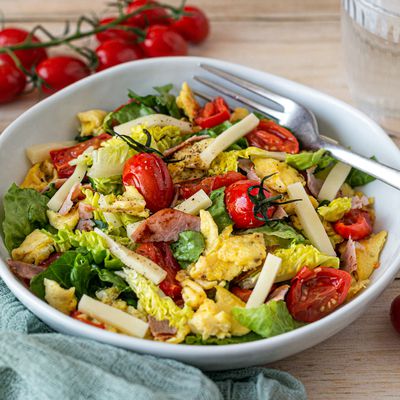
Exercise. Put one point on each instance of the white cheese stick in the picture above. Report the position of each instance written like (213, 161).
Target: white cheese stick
(121, 320)
(133, 260)
(228, 137)
(40, 152)
(309, 219)
(193, 205)
(265, 281)
(334, 181)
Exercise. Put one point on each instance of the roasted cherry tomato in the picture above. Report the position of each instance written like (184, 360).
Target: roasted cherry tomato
(60, 71)
(270, 136)
(116, 32)
(189, 188)
(355, 224)
(395, 313)
(243, 294)
(150, 175)
(62, 157)
(213, 113)
(161, 41)
(30, 57)
(79, 316)
(315, 293)
(161, 254)
(116, 51)
(193, 27)
(239, 206)
(12, 81)
(156, 15)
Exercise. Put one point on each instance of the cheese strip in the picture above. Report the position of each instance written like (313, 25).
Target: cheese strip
(334, 181)
(193, 205)
(121, 320)
(309, 219)
(265, 281)
(228, 137)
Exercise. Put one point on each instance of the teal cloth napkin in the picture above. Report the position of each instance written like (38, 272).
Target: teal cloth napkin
(39, 364)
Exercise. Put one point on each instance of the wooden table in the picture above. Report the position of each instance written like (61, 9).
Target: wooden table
(300, 40)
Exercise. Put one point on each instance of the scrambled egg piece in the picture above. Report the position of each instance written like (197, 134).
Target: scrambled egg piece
(67, 221)
(355, 287)
(230, 256)
(209, 320)
(91, 121)
(131, 202)
(36, 248)
(333, 236)
(63, 300)
(193, 294)
(39, 176)
(284, 174)
(238, 114)
(367, 253)
(187, 102)
(209, 230)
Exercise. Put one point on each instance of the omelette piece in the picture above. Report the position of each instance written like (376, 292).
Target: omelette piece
(284, 174)
(67, 221)
(187, 102)
(91, 122)
(39, 176)
(209, 230)
(193, 294)
(63, 300)
(239, 113)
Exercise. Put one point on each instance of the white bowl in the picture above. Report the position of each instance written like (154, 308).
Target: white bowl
(53, 119)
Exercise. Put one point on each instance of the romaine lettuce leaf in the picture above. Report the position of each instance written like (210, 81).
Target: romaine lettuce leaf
(106, 275)
(359, 178)
(270, 319)
(24, 211)
(198, 340)
(188, 248)
(81, 274)
(110, 185)
(335, 209)
(308, 159)
(218, 209)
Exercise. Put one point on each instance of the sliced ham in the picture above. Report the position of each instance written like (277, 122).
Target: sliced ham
(161, 330)
(279, 293)
(25, 270)
(85, 225)
(68, 202)
(85, 211)
(349, 256)
(358, 202)
(165, 226)
(186, 142)
(248, 166)
(279, 213)
(314, 184)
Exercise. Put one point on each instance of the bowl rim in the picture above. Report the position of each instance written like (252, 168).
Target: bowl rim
(44, 311)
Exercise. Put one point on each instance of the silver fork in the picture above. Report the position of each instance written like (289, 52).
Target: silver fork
(300, 120)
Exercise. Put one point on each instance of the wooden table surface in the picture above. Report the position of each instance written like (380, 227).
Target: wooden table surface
(300, 40)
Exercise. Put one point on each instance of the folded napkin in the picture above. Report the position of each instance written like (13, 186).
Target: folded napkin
(37, 363)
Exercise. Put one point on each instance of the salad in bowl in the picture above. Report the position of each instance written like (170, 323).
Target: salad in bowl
(181, 222)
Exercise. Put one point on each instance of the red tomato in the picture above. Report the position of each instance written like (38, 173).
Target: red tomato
(156, 15)
(189, 188)
(161, 41)
(12, 81)
(194, 27)
(395, 313)
(239, 206)
(161, 254)
(116, 51)
(270, 136)
(79, 316)
(243, 294)
(355, 224)
(29, 58)
(213, 113)
(313, 294)
(60, 71)
(61, 157)
(150, 175)
(115, 32)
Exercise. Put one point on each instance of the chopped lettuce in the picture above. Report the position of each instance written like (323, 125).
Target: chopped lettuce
(188, 248)
(218, 210)
(308, 159)
(198, 340)
(299, 255)
(25, 211)
(267, 320)
(106, 275)
(335, 209)
(110, 185)
(359, 178)
(81, 274)
(161, 308)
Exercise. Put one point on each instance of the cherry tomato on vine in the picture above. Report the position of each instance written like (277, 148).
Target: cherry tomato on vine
(29, 57)
(150, 175)
(395, 313)
(116, 51)
(60, 71)
(273, 137)
(313, 294)
(355, 224)
(12, 81)
(240, 207)
(213, 113)
(156, 15)
(193, 27)
(115, 32)
(161, 41)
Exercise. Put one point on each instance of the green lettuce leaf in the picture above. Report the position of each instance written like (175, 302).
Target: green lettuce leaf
(335, 209)
(359, 178)
(270, 319)
(188, 248)
(106, 275)
(81, 274)
(24, 211)
(110, 185)
(308, 159)
(198, 340)
(218, 209)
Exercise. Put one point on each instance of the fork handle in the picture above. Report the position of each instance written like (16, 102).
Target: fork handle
(386, 174)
